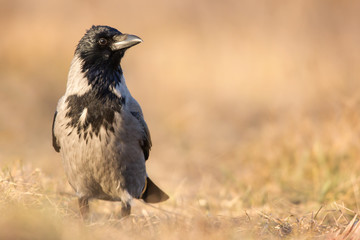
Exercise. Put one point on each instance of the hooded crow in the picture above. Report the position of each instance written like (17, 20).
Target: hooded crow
(99, 128)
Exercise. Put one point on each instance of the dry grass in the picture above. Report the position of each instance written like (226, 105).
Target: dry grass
(253, 108)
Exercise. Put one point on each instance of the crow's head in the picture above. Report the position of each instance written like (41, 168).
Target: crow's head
(102, 47)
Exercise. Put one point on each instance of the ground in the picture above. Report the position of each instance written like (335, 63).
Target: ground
(253, 109)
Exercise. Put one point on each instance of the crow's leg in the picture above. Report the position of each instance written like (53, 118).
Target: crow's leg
(125, 209)
(84, 207)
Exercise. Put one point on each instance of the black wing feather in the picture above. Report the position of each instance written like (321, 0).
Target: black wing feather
(54, 140)
(145, 143)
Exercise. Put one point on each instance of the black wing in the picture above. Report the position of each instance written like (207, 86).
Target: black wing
(54, 140)
(146, 141)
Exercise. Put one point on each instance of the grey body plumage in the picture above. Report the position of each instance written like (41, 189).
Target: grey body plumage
(99, 128)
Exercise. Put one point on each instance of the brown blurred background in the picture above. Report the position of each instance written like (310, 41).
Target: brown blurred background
(210, 76)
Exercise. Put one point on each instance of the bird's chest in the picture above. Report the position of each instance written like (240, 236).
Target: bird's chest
(88, 113)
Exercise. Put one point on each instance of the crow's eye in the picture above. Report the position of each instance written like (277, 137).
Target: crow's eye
(102, 41)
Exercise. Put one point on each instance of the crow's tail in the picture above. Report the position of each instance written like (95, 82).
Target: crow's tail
(152, 193)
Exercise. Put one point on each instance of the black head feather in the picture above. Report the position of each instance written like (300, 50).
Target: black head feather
(101, 50)
(95, 50)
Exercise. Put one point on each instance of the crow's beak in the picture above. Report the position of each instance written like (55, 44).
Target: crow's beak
(125, 41)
